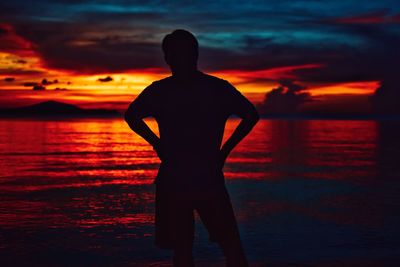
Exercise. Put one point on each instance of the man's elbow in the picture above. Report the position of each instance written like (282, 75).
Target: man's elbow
(127, 116)
(256, 115)
(253, 117)
(131, 119)
(250, 119)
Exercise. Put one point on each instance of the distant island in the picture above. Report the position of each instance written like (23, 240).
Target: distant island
(56, 109)
(329, 116)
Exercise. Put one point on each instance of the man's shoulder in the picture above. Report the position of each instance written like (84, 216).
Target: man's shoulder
(162, 82)
(214, 79)
(153, 89)
(221, 86)
(211, 80)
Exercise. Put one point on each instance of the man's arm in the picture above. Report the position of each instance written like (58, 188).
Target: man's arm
(140, 127)
(249, 115)
(246, 124)
(134, 116)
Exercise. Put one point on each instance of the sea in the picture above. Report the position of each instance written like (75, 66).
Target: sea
(80, 192)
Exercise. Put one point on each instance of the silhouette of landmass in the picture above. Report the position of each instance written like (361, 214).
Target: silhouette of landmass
(328, 116)
(325, 115)
(56, 109)
(59, 109)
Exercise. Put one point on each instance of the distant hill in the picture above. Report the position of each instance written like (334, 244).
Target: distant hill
(56, 109)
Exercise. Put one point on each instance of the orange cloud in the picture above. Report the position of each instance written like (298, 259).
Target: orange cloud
(355, 88)
(17, 55)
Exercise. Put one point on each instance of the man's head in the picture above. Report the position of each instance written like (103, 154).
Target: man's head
(181, 51)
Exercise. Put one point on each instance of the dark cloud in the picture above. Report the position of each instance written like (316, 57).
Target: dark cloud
(105, 79)
(256, 58)
(285, 99)
(117, 38)
(11, 42)
(30, 84)
(9, 79)
(100, 57)
(20, 61)
(46, 82)
(375, 58)
(38, 88)
(9, 71)
(61, 47)
(2, 30)
(35, 86)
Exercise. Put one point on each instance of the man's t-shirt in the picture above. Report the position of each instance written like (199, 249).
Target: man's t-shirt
(191, 116)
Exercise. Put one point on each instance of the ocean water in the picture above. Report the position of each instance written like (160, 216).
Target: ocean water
(305, 192)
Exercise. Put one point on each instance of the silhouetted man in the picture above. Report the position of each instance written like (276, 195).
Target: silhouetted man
(191, 109)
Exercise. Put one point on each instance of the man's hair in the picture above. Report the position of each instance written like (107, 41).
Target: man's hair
(180, 36)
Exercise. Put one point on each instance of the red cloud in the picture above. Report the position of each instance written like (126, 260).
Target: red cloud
(11, 42)
(372, 18)
(271, 74)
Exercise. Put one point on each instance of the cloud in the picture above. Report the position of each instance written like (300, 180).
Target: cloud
(24, 72)
(46, 82)
(113, 37)
(38, 88)
(20, 61)
(3, 30)
(30, 84)
(35, 86)
(285, 99)
(106, 79)
(9, 79)
(102, 47)
(91, 50)
(11, 42)
(380, 17)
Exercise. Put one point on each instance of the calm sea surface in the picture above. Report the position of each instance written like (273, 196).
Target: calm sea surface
(305, 193)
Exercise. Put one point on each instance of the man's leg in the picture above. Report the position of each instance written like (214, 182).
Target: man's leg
(183, 234)
(217, 214)
(183, 246)
(174, 225)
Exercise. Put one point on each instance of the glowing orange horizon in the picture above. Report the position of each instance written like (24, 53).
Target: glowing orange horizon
(89, 91)
(22, 67)
(133, 82)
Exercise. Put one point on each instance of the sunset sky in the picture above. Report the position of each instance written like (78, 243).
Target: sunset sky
(101, 54)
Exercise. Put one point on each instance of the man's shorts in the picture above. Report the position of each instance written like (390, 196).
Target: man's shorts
(174, 219)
